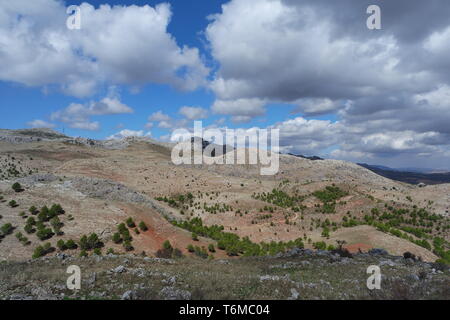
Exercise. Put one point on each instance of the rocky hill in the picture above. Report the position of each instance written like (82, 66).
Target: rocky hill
(101, 202)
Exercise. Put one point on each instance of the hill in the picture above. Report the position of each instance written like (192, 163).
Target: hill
(126, 197)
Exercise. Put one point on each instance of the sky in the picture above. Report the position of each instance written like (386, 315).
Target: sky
(310, 68)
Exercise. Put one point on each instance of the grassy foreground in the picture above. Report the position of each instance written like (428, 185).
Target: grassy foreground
(301, 274)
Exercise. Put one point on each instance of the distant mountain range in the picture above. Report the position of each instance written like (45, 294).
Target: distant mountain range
(410, 175)
(314, 158)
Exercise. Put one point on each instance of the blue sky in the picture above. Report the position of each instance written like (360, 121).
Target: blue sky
(310, 68)
(189, 20)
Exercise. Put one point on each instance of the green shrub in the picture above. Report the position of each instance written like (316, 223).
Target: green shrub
(83, 253)
(143, 226)
(320, 245)
(127, 245)
(13, 204)
(211, 248)
(61, 245)
(38, 252)
(70, 244)
(167, 245)
(29, 228)
(130, 223)
(17, 187)
(44, 233)
(6, 229)
(116, 238)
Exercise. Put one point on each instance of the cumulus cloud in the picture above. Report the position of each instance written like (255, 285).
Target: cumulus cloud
(37, 123)
(239, 107)
(125, 133)
(116, 45)
(193, 113)
(389, 89)
(78, 116)
(159, 116)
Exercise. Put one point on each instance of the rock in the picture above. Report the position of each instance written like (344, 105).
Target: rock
(62, 256)
(294, 294)
(128, 295)
(92, 279)
(413, 277)
(267, 277)
(20, 297)
(409, 262)
(387, 262)
(378, 251)
(171, 280)
(119, 269)
(171, 293)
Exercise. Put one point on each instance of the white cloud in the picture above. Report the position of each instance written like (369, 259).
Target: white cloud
(128, 133)
(159, 116)
(78, 116)
(40, 124)
(116, 45)
(239, 107)
(193, 113)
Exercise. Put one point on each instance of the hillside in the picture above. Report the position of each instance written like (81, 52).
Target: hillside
(130, 195)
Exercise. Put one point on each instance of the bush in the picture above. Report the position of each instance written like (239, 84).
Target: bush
(6, 229)
(61, 245)
(56, 210)
(94, 242)
(190, 248)
(17, 187)
(122, 228)
(143, 226)
(127, 245)
(211, 248)
(130, 223)
(38, 252)
(29, 228)
(13, 204)
(116, 238)
(33, 210)
(320, 245)
(70, 244)
(83, 253)
(98, 251)
(43, 216)
(194, 236)
(126, 235)
(167, 245)
(44, 234)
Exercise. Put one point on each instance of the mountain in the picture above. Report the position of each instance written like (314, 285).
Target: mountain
(314, 158)
(413, 177)
(130, 200)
